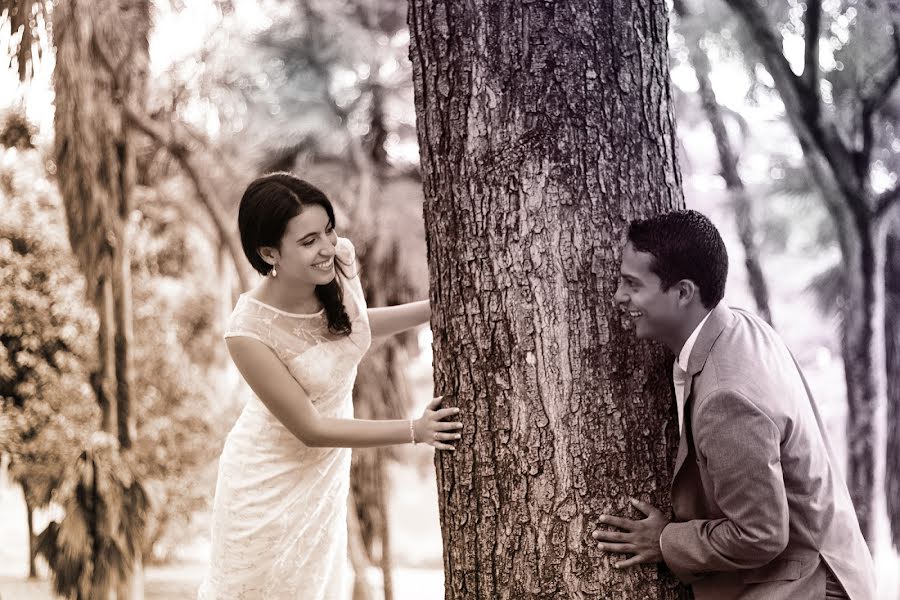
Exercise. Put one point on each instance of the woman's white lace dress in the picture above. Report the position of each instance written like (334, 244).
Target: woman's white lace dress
(279, 522)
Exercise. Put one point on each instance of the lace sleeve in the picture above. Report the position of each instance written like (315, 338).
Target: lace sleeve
(248, 321)
(354, 298)
(346, 255)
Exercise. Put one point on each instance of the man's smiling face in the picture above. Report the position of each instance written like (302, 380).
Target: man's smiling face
(654, 311)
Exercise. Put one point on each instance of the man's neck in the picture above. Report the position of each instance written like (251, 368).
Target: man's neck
(694, 318)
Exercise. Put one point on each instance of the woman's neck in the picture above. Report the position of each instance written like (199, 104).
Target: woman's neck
(286, 296)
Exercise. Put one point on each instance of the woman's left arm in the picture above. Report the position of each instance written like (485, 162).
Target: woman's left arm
(389, 320)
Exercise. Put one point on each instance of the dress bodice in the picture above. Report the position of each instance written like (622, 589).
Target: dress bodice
(323, 363)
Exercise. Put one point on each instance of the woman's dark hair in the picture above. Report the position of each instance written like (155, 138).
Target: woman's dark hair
(685, 245)
(267, 205)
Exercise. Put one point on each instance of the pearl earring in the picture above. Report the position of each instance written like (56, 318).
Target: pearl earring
(274, 272)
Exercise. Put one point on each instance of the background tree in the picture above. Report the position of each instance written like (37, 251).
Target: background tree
(842, 119)
(43, 328)
(534, 160)
(693, 30)
(892, 352)
(341, 83)
(45, 385)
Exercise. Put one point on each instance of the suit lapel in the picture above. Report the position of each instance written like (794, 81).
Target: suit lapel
(718, 319)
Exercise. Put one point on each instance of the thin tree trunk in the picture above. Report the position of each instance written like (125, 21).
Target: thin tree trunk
(384, 530)
(376, 393)
(358, 556)
(892, 351)
(125, 426)
(728, 161)
(103, 380)
(863, 353)
(29, 515)
(544, 128)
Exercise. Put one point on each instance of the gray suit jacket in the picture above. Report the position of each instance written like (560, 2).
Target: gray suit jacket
(758, 500)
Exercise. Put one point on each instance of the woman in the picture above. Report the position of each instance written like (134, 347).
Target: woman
(279, 523)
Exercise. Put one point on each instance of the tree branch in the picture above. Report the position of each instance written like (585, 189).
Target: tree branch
(813, 128)
(886, 200)
(180, 151)
(881, 85)
(873, 97)
(811, 32)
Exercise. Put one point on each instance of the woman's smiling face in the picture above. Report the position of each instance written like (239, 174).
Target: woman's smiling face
(307, 249)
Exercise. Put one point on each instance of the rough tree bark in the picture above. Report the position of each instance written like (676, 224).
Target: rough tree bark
(728, 160)
(843, 170)
(543, 129)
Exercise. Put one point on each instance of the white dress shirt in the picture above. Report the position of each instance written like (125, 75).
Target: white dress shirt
(679, 370)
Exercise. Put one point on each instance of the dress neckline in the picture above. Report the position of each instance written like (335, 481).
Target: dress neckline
(279, 311)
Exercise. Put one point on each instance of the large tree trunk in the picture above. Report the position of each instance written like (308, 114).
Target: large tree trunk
(543, 129)
(728, 161)
(892, 350)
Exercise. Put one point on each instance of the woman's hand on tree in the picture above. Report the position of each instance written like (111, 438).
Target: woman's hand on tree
(432, 429)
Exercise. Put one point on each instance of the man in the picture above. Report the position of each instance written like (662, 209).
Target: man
(761, 510)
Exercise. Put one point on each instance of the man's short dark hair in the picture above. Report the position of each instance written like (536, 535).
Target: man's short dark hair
(685, 245)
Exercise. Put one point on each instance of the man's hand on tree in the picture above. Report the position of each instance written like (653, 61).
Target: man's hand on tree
(638, 538)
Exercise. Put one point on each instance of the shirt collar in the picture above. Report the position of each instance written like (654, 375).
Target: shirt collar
(685, 353)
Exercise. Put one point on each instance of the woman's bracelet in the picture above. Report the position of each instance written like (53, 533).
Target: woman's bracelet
(412, 432)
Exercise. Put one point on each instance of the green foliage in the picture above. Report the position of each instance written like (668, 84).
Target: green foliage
(91, 550)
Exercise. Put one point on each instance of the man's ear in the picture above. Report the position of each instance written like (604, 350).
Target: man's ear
(687, 292)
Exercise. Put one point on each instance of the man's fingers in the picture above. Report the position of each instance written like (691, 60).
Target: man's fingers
(435, 402)
(634, 560)
(647, 509)
(626, 524)
(621, 548)
(611, 536)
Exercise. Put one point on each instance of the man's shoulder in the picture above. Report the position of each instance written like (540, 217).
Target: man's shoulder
(750, 360)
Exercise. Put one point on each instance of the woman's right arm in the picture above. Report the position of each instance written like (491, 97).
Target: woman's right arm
(288, 401)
